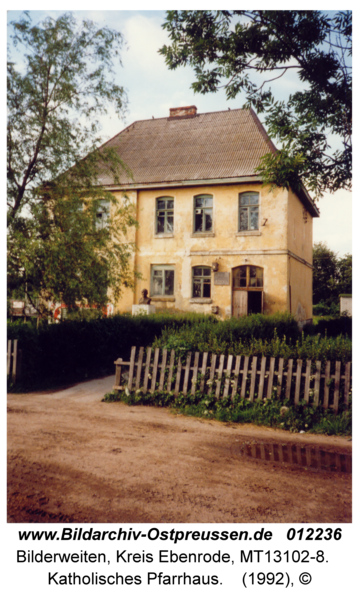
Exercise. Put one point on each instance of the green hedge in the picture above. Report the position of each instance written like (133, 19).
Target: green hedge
(76, 350)
(222, 337)
(330, 327)
(260, 335)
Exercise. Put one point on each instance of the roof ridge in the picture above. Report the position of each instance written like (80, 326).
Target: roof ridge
(213, 112)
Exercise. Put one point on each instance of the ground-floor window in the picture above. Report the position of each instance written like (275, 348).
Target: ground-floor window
(201, 282)
(162, 280)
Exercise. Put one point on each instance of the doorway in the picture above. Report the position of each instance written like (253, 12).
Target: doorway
(247, 292)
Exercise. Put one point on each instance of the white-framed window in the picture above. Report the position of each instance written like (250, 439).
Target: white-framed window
(102, 214)
(164, 215)
(201, 282)
(248, 211)
(203, 213)
(162, 280)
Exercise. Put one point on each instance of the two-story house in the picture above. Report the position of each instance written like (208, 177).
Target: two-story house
(210, 237)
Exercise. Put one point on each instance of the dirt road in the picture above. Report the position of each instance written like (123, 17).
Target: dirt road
(72, 458)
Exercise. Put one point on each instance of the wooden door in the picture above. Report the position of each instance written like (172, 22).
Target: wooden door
(240, 303)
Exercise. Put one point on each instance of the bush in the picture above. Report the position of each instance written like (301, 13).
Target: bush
(230, 336)
(74, 350)
(330, 327)
(328, 307)
(256, 335)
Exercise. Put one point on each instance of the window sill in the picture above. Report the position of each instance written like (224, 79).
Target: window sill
(163, 298)
(201, 300)
(164, 235)
(204, 234)
(254, 232)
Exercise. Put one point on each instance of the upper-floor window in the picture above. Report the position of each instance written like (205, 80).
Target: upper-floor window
(162, 280)
(203, 213)
(201, 282)
(164, 214)
(102, 214)
(248, 211)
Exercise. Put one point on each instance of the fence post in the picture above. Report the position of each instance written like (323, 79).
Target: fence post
(326, 384)
(270, 378)
(253, 377)
(178, 377)
(139, 368)
(289, 378)
(298, 380)
(336, 386)
(317, 383)
(195, 373)
(244, 380)
(14, 361)
(154, 370)
(170, 372)
(307, 381)
(347, 383)
(212, 372)
(261, 378)
(186, 373)
(203, 370)
(147, 368)
(228, 375)
(132, 368)
(118, 364)
(163, 369)
(280, 378)
(8, 356)
(236, 375)
(219, 376)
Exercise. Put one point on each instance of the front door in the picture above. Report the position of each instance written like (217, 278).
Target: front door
(247, 290)
(240, 303)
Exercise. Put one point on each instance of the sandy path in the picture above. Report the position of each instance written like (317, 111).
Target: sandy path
(72, 458)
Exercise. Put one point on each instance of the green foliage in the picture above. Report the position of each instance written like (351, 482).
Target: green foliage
(301, 417)
(345, 274)
(331, 328)
(74, 350)
(326, 308)
(260, 335)
(244, 51)
(332, 276)
(56, 251)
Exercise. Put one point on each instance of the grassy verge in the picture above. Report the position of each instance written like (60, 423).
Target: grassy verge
(271, 413)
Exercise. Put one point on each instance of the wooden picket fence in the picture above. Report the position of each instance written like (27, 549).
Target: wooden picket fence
(13, 360)
(153, 370)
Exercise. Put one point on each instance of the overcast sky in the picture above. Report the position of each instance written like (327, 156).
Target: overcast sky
(152, 90)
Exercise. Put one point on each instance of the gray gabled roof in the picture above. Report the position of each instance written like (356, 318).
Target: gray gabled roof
(205, 146)
(202, 147)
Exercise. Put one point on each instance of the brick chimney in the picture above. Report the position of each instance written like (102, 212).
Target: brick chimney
(183, 111)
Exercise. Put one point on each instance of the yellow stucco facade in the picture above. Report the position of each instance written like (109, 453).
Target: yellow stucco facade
(280, 246)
